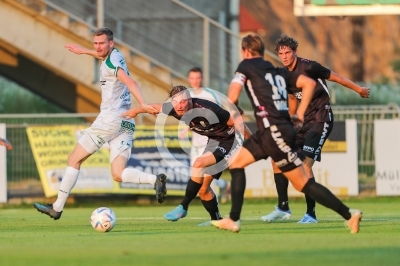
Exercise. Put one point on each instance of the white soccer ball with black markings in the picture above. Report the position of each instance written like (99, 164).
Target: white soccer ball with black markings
(103, 219)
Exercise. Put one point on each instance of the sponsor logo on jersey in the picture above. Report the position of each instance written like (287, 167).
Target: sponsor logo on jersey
(127, 127)
(124, 94)
(298, 95)
(201, 130)
(308, 148)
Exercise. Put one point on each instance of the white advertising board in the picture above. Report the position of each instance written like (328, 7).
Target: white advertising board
(387, 164)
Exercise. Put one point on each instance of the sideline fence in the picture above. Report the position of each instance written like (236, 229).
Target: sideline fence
(21, 167)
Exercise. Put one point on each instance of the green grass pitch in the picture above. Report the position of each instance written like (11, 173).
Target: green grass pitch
(143, 237)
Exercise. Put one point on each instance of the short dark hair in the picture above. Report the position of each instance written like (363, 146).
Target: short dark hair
(178, 89)
(104, 31)
(254, 43)
(286, 41)
(196, 69)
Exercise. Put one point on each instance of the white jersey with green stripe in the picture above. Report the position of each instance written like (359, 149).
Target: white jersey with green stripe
(200, 141)
(115, 96)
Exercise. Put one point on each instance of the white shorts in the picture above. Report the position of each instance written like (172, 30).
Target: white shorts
(118, 135)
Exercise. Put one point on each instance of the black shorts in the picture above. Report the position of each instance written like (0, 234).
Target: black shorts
(222, 150)
(277, 142)
(311, 138)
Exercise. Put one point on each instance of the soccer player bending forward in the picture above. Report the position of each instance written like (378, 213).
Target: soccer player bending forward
(223, 131)
(266, 86)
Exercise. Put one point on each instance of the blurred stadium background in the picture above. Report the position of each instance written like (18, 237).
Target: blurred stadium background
(42, 84)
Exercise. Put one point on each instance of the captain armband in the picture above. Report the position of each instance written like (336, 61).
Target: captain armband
(239, 78)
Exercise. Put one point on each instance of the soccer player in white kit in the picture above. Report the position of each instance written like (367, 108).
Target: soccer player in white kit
(109, 127)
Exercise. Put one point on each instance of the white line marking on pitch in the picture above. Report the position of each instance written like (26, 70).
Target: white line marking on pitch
(251, 219)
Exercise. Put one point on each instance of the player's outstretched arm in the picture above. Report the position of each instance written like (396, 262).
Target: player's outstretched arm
(134, 89)
(77, 49)
(6, 143)
(364, 92)
(133, 112)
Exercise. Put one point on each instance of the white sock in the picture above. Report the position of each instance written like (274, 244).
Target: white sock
(132, 175)
(67, 183)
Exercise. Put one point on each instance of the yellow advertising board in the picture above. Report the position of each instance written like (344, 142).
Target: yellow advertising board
(51, 146)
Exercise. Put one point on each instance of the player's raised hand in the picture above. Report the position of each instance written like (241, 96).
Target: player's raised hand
(75, 48)
(365, 92)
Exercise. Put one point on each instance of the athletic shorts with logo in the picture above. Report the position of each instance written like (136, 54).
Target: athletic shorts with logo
(222, 151)
(311, 137)
(116, 132)
(277, 142)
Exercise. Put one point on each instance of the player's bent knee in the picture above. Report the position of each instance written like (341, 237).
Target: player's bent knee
(117, 176)
(198, 163)
(202, 192)
(297, 177)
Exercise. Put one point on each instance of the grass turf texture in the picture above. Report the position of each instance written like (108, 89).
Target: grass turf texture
(143, 237)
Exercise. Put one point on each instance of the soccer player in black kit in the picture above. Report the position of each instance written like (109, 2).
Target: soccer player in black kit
(208, 119)
(318, 122)
(266, 86)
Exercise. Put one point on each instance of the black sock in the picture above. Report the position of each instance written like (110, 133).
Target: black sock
(282, 184)
(192, 188)
(238, 185)
(212, 207)
(324, 196)
(310, 204)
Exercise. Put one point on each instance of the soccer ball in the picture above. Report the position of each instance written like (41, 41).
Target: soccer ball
(103, 219)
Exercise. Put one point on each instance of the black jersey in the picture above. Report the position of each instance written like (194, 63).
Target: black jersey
(266, 87)
(319, 109)
(206, 118)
